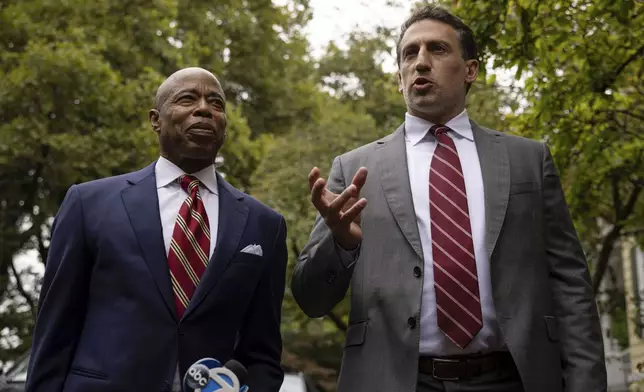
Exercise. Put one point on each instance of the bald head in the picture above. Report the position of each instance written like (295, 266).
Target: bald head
(174, 81)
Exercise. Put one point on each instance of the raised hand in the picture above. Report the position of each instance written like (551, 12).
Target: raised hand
(341, 212)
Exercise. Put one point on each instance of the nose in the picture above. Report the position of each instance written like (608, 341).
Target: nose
(423, 63)
(203, 108)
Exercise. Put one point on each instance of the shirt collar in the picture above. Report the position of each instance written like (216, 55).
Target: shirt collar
(416, 128)
(167, 172)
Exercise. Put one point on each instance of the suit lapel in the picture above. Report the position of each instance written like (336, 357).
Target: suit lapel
(233, 214)
(142, 206)
(394, 178)
(495, 169)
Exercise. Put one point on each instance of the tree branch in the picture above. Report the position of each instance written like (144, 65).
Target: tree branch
(42, 250)
(11, 217)
(632, 200)
(624, 112)
(608, 243)
(21, 287)
(607, 246)
(613, 76)
(617, 202)
(635, 55)
(633, 232)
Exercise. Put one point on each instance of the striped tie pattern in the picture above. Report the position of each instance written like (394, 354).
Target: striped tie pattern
(455, 276)
(190, 245)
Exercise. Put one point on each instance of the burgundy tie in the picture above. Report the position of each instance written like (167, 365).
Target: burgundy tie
(190, 245)
(455, 277)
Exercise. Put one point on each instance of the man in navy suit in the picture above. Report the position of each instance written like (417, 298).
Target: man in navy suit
(153, 270)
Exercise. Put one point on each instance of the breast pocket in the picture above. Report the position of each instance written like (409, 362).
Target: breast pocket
(82, 372)
(552, 328)
(356, 334)
(524, 204)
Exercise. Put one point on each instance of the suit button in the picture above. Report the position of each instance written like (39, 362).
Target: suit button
(417, 272)
(166, 387)
(331, 277)
(411, 322)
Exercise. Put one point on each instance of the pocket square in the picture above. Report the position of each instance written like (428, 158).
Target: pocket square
(253, 250)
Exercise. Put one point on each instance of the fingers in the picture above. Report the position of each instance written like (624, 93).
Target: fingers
(331, 205)
(314, 174)
(352, 213)
(360, 178)
(317, 190)
(336, 206)
(352, 190)
(316, 187)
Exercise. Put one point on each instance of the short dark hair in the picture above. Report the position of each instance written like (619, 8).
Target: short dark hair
(432, 12)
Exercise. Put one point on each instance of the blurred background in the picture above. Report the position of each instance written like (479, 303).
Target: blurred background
(307, 80)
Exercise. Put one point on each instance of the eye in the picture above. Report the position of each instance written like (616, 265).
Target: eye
(218, 104)
(409, 52)
(184, 99)
(438, 48)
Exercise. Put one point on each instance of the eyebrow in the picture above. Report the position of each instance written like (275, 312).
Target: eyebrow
(196, 92)
(431, 41)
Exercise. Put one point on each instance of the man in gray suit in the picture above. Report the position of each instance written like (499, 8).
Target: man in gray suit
(465, 270)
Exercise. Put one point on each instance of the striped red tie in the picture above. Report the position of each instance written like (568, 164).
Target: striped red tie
(455, 277)
(190, 245)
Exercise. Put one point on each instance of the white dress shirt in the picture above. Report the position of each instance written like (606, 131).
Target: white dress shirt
(171, 196)
(420, 146)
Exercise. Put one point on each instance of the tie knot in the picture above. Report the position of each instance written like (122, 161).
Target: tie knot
(438, 130)
(189, 183)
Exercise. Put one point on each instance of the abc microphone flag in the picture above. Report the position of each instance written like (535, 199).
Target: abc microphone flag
(207, 375)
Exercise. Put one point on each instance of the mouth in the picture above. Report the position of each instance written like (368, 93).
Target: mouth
(422, 83)
(202, 128)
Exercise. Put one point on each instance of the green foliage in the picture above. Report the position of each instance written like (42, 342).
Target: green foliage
(242, 153)
(619, 326)
(582, 63)
(17, 321)
(281, 181)
(78, 78)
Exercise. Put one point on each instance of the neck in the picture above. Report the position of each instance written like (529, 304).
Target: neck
(435, 118)
(189, 165)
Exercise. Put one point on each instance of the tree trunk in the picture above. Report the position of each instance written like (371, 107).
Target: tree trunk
(608, 243)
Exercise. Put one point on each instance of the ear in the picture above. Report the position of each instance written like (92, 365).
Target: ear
(400, 85)
(155, 122)
(471, 70)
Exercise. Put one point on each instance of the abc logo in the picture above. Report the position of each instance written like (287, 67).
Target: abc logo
(198, 376)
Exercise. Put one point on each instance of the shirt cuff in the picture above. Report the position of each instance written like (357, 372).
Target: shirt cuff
(347, 257)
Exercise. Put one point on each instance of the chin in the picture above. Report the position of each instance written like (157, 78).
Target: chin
(426, 106)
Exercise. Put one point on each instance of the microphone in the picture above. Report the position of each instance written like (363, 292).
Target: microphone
(207, 375)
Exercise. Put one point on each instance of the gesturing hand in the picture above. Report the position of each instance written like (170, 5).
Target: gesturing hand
(341, 212)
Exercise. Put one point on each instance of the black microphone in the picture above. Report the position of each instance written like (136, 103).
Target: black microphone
(207, 375)
(238, 370)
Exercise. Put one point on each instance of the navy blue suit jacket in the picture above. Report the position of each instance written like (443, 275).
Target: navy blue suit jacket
(107, 319)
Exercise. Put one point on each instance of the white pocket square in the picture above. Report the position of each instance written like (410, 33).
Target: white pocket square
(253, 250)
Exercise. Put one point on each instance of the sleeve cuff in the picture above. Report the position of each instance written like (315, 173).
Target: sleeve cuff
(347, 257)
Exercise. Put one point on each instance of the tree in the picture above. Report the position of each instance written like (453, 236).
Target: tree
(582, 64)
(77, 79)
(357, 77)
(281, 183)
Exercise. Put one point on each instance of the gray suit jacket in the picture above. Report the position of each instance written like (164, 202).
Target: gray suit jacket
(541, 284)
